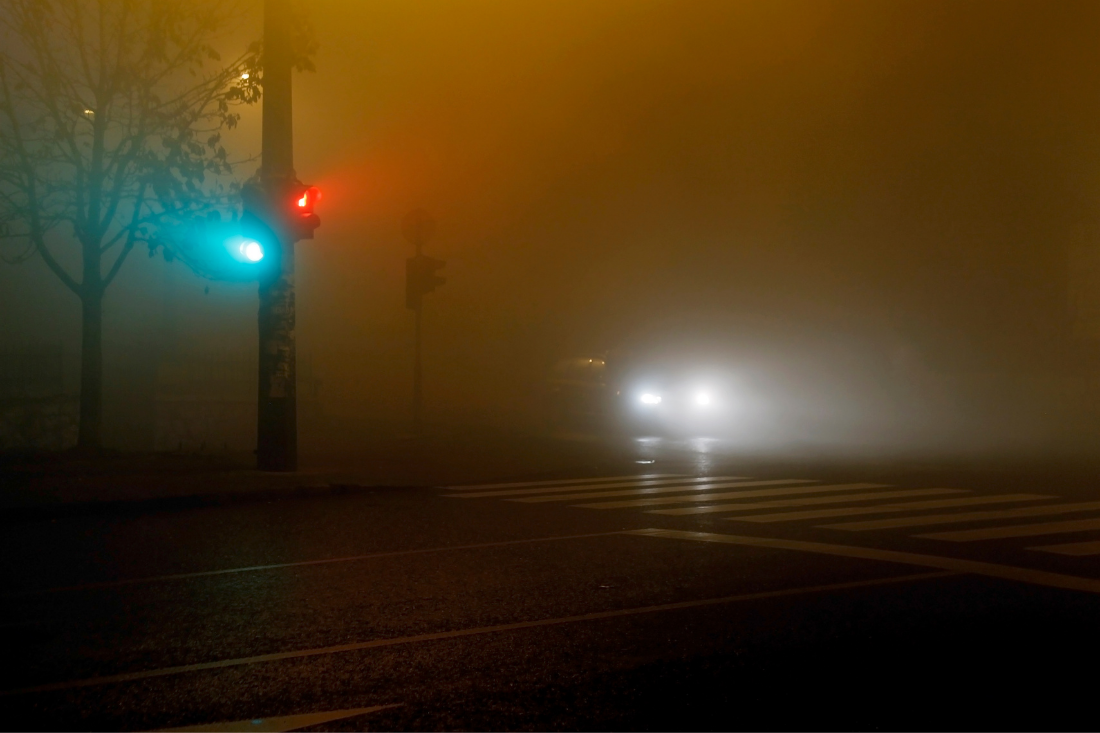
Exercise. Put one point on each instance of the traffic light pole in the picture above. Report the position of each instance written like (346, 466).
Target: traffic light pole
(420, 279)
(277, 418)
(418, 393)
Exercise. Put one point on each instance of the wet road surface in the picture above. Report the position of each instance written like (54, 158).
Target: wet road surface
(693, 592)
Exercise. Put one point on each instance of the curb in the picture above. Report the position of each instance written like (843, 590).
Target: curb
(49, 512)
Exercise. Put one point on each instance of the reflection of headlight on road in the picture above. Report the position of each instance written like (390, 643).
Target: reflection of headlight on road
(702, 399)
(648, 398)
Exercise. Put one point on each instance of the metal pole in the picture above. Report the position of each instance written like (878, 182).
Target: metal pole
(277, 419)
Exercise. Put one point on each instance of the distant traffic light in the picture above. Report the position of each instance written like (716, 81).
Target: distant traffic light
(421, 278)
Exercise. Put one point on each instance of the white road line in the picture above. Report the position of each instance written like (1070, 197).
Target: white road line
(731, 495)
(1031, 511)
(908, 506)
(757, 505)
(591, 487)
(399, 641)
(561, 482)
(1071, 548)
(303, 563)
(1016, 530)
(992, 570)
(279, 724)
(663, 490)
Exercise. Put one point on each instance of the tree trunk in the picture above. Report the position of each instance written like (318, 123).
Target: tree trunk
(91, 371)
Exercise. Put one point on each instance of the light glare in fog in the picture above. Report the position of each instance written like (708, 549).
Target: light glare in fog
(649, 398)
(252, 251)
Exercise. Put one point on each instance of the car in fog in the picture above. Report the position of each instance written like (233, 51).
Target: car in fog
(614, 391)
(672, 398)
(578, 395)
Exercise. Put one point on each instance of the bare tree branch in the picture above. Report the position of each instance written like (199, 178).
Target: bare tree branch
(118, 262)
(57, 269)
(107, 99)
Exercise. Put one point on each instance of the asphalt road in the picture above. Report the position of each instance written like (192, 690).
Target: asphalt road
(847, 594)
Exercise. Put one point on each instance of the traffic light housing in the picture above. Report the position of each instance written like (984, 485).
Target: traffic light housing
(421, 278)
(301, 221)
(285, 210)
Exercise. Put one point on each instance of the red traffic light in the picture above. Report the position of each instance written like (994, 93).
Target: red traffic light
(302, 219)
(307, 198)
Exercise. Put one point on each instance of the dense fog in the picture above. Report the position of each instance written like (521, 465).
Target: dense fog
(878, 220)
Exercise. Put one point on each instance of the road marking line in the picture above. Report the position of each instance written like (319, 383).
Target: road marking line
(756, 505)
(303, 563)
(955, 565)
(887, 508)
(561, 482)
(1031, 511)
(1016, 530)
(281, 724)
(731, 495)
(400, 641)
(1071, 548)
(662, 490)
(589, 487)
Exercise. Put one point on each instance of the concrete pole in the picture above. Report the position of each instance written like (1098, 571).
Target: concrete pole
(277, 413)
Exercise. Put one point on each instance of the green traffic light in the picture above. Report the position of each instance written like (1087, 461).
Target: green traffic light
(245, 249)
(252, 251)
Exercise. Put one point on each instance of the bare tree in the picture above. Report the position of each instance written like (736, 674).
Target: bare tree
(111, 116)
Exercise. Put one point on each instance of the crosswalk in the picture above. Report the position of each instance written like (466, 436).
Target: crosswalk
(1071, 548)
(859, 507)
(844, 498)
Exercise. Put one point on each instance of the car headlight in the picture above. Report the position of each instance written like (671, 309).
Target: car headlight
(649, 398)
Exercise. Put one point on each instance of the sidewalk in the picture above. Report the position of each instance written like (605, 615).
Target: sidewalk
(48, 486)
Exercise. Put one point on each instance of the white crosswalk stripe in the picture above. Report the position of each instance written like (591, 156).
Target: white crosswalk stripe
(562, 482)
(691, 498)
(909, 506)
(1016, 530)
(661, 490)
(686, 482)
(1076, 549)
(810, 501)
(927, 519)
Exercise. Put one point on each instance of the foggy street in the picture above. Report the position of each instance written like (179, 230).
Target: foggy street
(549, 364)
(835, 596)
